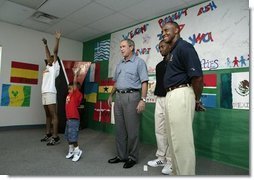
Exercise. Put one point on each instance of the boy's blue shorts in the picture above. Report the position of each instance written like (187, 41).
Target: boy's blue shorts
(71, 130)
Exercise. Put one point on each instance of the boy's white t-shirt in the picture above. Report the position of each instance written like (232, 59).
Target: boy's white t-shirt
(48, 78)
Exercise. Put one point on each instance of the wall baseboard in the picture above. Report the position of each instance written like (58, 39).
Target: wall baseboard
(4, 128)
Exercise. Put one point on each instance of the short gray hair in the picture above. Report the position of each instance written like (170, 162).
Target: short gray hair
(130, 43)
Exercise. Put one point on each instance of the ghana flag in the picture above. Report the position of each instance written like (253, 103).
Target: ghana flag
(24, 73)
(15, 95)
(105, 89)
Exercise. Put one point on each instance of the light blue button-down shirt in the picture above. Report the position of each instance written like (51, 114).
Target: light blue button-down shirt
(130, 74)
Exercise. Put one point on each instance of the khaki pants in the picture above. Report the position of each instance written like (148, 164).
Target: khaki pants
(160, 129)
(180, 108)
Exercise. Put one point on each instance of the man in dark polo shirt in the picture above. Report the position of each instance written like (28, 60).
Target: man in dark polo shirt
(183, 81)
(131, 77)
(163, 158)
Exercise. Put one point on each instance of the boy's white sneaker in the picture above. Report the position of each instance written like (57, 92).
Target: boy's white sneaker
(156, 163)
(77, 155)
(69, 155)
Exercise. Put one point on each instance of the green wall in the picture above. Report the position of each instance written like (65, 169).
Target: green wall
(220, 134)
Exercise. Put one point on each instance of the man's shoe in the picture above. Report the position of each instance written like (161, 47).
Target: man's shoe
(53, 141)
(129, 163)
(116, 160)
(156, 163)
(167, 169)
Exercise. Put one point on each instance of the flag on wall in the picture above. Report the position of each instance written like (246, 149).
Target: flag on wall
(240, 90)
(90, 92)
(15, 95)
(102, 50)
(210, 80)
(102, 111)
(105, 89)
(97, 70)
(208, 100)
(208, 97)
(92, 72)
(25, 73)
(70, 65)
(235, 90)
(226, 92)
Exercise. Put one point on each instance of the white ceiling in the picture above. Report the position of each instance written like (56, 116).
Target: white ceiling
(83, 20)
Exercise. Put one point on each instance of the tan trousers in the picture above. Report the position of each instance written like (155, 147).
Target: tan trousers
(160, 129)
(180, 108)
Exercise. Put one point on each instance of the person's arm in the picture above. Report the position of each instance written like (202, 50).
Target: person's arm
(76, 73)
(197, 84)
(142, 103)
(57, 35)
(46, 49)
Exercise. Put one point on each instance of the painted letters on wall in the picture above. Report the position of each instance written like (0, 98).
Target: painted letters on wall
(219, 31)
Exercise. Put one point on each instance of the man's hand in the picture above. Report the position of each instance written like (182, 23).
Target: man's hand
(44, 41)
(110, 100)
(199, 106)
(141, 106)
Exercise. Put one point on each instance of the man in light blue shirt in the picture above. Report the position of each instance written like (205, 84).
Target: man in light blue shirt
(131, 82)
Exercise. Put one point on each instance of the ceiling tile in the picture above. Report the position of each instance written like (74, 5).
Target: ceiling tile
(118, 5)
(82, 34)
(64, 26)
(90, 14)
(31, 24)
(14, 13)
(112, 23)
(60, 8)
(34, 4)
(2, 1)
(194, 2)
(149, 9)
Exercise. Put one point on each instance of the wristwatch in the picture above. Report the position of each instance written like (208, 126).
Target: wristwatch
(143, 99)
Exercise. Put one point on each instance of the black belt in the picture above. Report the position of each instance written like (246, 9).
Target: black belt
(127, 90)
(179, 86)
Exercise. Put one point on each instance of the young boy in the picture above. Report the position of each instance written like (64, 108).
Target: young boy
(73, 101)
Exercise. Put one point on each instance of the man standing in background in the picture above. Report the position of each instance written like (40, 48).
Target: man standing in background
(163, 159)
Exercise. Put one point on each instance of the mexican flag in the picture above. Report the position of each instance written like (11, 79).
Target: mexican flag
(235, 90)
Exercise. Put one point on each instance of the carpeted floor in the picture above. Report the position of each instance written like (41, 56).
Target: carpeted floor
(22, 154)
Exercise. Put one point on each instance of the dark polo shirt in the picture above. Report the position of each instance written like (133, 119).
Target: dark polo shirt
(160, 72)
(183, 64)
